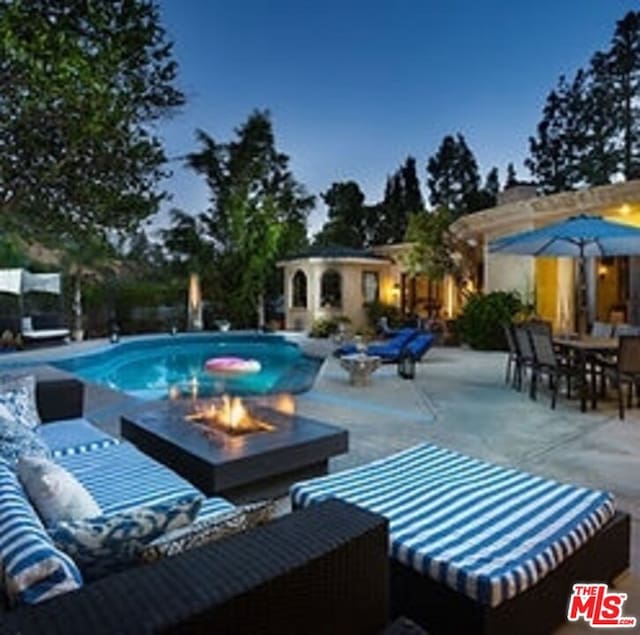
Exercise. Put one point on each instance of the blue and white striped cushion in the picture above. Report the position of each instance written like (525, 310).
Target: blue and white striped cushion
(74, 436)
(120, 477)
(484, 530)
(33, 569)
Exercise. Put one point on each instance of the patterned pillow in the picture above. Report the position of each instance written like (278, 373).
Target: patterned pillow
(104, 545)
(209, 530)
(55, 492)
(17, 440)
(18, 399)
(33, 569)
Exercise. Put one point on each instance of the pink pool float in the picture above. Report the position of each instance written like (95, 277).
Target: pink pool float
(232, 365)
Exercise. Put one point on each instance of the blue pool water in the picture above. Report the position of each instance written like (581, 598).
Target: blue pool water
(151, 367)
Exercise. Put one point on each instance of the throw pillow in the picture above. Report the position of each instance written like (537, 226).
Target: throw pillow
(107, 544)
(54, 492)
(209, 530)
(18, 399)
(17, 440)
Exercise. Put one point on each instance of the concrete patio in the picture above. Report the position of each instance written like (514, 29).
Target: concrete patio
(459, 400)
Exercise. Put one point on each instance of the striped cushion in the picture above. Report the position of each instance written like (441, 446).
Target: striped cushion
(74, 436)
(120, 477)
(34, 570)
(487, 531)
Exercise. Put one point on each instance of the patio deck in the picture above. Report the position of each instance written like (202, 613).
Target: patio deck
(459, 400)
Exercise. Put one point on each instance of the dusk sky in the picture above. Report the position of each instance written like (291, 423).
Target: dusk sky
(355, 86)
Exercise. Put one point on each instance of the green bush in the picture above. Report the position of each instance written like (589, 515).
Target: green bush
(480, 324)
(377, 310)
(325, 327)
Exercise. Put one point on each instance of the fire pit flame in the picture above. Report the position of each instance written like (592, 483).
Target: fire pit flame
(229, 415)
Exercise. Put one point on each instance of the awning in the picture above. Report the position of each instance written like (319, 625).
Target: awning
(43, 282)
(19, 281)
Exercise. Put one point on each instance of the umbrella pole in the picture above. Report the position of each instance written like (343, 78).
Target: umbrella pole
(582, 294)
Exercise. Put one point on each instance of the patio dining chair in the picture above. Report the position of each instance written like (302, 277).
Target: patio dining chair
(525, 350)
(626, 370)
(548, 363)
(601, 329)
(513, 356)
(625, 329)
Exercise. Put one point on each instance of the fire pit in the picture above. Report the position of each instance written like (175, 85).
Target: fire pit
(239, 449)
(228, 415)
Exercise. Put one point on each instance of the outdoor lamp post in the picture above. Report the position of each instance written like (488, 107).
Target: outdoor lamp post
(114, 336)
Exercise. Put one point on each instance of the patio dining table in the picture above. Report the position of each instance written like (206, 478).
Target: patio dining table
(585, 349)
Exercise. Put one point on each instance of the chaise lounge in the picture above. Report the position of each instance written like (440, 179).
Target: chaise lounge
(478, 548)
(389, 351)
(315, 571)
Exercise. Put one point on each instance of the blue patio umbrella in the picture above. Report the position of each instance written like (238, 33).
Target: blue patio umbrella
(579, 237)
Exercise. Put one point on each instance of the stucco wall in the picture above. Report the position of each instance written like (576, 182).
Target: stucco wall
(352, 293)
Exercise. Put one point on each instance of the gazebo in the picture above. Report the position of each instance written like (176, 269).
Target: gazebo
(33, 325)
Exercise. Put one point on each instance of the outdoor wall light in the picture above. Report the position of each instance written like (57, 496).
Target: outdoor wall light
(603, 270)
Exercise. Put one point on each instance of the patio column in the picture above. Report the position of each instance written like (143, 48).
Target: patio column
(633, 302)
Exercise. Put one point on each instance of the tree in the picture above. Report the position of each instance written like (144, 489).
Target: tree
(624, 70)
(402, 197)
(436, 251)
(256, 207)
(512, 179)
(453, 178)
(554, 153)
(348, 218)
(601, 157)
(81, 84)
(186, 243)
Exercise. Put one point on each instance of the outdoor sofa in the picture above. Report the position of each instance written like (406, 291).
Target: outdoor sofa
(322, 570)
(476, 548)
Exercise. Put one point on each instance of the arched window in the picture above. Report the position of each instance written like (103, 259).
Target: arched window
(299, 290)
(331, 289)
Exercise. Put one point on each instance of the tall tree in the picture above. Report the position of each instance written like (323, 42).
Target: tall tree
(512, 179)
(80, 85)
(348, 218)
(254, 201)
(453, 178)
(557, 152)
(186, 243)
(402, 197)
(624, 68)
(601, 157)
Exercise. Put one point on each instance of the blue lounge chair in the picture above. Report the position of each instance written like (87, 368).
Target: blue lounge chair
(419, 346)
(389, 351)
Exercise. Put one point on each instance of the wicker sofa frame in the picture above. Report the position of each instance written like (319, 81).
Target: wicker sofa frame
(321, 570)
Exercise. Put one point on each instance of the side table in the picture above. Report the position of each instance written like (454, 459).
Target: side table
(360, 367)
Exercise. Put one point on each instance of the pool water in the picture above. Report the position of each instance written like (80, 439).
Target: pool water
(152, 367)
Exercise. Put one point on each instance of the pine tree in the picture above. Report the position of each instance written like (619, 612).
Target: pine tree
(554, 159)
(347, 217)
(452, 177)
(624, 69)
(601, 156)
(512, 179)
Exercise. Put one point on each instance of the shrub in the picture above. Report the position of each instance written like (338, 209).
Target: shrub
(325, 327)
(377, 310)
(480, 324)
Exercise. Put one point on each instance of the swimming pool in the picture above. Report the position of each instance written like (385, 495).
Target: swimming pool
(152, 367)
